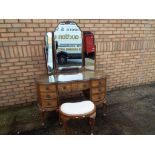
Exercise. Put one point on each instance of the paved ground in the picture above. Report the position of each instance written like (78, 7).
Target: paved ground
(130, 111)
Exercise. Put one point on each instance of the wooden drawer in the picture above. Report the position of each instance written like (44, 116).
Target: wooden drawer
(65, 87)
(46, 95)
(82, 85)
(47, 88)
(97, 83)
(98, 97)
(99, 90)
(48, 103)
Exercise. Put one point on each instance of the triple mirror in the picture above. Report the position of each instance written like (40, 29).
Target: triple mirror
(68, 47)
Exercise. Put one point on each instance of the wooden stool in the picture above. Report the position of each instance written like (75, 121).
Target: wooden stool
(78, 110)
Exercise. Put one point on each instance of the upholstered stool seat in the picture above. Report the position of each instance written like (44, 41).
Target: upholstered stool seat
(77, 110)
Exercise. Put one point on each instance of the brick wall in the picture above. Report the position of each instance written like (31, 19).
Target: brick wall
(125, 51)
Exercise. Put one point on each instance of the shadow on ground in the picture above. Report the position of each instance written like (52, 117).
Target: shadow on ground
(130, 111)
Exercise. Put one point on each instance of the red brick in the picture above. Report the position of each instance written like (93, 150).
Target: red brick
(28, 74)
(27, 30)
(21, 71)
(13, 60)
(11, 20)
(38, 20)
(10, 79)
(25, 20)
(20, 63)
(24, 51)
(7, 34)
(5, 25)
(53, 21)
(14, 68)
(34, 34)
(15, 50)
(13, 29)
(19, 25)
(9, 43)
(8, 72)
(28, 38)
(32, 25)
(6, 64)
(1, 20)
(35, 42)
(40, 29)
(23, 43)
(28, 51)
(20, 51)
(84, 21)
(2, 30)
(3, 39)
(15, 39)
(21, 34)
(45, 25)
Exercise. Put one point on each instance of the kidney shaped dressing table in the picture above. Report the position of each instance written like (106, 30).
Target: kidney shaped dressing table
(50, 88)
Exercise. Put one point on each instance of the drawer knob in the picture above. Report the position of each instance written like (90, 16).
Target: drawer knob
(64, 87)
(47, 88)
(48, 103)
(48, 96)
(100, 89)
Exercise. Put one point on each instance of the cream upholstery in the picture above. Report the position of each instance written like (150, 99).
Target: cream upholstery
(77, 108)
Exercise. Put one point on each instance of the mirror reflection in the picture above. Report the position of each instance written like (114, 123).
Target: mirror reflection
(49, 51)
(68, 43)
(89, 49)
(69, 48)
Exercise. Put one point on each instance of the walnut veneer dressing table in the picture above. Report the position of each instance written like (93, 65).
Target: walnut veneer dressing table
(51, 86)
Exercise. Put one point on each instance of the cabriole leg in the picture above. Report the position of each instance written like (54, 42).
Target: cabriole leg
(42, 118)
(91, 123)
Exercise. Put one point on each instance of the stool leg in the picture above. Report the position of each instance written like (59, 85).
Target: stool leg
(60, 121)
(65, 126)
(91, 123)
(43, 118)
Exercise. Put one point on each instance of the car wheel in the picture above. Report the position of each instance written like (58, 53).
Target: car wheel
(62, 59)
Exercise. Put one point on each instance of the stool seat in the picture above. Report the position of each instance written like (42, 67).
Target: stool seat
(78, 108)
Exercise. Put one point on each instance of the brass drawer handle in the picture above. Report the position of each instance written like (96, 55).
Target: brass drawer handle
(99, 97)
(100, 89)
(48, 96)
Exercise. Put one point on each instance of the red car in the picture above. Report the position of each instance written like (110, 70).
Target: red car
(88, 44)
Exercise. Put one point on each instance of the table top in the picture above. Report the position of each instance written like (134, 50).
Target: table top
(71, 77)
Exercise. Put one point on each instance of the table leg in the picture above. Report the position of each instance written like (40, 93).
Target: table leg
(43, 118)
(91, 123)
(65, 126)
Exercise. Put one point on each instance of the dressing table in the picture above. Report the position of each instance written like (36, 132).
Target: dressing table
(51, 86)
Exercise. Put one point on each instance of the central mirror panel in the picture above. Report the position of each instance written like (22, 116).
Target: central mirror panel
(68, 45)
